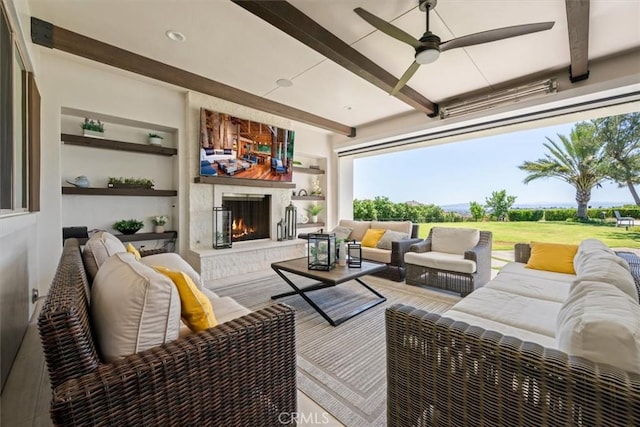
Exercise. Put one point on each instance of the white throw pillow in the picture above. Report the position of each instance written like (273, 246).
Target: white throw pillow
(98, 249)
(600, 323)
(358, 228)
(173, 261)
(454, 240)
(390, 236)
(604, 267)
(401, 226)
(133, 307)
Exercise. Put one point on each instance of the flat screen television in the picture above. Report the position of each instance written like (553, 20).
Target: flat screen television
(239, 148)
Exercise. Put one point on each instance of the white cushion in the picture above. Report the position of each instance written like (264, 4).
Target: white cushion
(358, 228)
(133, 307)
(492, 325)
(173, 261)
(604, 267)
(390, 236)
(98, 249)
(528, 286)
(454, 240)
(441, 261)
(226, 309)
(535, 315)
(401, 226)
(586, 248)
(519, 268)
(601, 323)
(377, 255)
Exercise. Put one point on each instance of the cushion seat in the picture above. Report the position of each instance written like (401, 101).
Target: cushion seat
(520, 268)
(540, 288)
(441, 261)
(376, 255)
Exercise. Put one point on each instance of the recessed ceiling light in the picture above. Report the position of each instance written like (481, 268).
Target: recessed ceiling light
(175, 35)
(347, 107)
(284, 83)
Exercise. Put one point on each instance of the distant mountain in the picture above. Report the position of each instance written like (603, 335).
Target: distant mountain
(463, 208)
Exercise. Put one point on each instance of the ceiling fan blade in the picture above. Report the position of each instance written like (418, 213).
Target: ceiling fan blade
(495, 35)
(405, 78)
(387, 28)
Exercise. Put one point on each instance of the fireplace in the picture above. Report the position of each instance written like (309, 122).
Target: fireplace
(251, 216)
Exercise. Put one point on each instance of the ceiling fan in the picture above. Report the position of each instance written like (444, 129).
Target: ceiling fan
(429, 46)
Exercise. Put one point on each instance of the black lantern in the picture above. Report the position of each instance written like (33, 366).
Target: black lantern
(222, 221)
(354, 251)
(290, 218)
(322, 251)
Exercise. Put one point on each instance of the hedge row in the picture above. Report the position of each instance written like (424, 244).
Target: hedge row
(526, 215)
(569, 213)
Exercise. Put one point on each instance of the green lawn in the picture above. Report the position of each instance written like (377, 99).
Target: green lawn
(506, 234)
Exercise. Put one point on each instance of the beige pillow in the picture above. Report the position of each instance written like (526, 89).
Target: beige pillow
(342, 233)
(98, 249)
(173, 261)
(390, 236)
(401, 226)
(587, 249)
(358, 228)
(604, 267)
(133, 307)
(600, 323)
(454, 240)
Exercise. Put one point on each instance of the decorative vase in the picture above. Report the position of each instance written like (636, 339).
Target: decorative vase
(92, 133)
(155, 141)
(159, 228)
(342, 253)
(314, 218)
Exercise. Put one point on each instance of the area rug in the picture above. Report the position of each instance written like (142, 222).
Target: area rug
(342, 368)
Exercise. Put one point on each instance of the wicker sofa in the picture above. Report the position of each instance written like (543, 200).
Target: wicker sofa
(241, 372)
(394, 258)
(466, 368)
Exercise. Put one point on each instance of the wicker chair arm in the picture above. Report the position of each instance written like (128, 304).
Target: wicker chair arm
(242, 372)
(399, 248)
(522, 252)
(469, 373)
(423, 246)
(482, 250)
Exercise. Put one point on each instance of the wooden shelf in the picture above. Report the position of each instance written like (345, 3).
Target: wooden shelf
(308, 170)
(110, 144)
(307, 197)
(137, 237)
(118, 192)
(226, 180)
(310, 224)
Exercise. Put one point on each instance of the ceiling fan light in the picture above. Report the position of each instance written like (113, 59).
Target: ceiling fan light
(427, 56)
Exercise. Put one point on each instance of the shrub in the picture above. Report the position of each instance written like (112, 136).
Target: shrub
(632, 211)
(452, 217)
(478, 211)
(560, 214)
(526, 215)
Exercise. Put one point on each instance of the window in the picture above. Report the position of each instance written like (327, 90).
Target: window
(14, 190)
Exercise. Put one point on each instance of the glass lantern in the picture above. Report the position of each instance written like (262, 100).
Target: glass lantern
(290, 217)
(354, 251)
(321, 251)
(222, 222)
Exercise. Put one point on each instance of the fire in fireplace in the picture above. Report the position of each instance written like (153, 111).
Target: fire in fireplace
(250, 214)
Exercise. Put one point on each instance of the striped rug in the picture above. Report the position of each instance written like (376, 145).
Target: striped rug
(342, 368)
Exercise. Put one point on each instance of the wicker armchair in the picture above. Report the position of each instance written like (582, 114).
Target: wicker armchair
(456, 281)
(446, 373)
(239, 373)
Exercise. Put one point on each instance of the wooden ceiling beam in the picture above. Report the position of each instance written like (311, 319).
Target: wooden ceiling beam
(48, 35)
(578, 24)
(292, 21)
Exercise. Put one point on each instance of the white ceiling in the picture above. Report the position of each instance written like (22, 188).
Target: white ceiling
(228, 44)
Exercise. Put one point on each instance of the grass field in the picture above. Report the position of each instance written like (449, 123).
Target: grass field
(506, 234)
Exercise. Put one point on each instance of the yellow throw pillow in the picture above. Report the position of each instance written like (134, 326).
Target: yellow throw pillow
(552, 257)
(372, 237)
(196, 309)
(132, 250)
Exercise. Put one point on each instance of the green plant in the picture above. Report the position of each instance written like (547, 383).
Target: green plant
(94, 125)
(313, 210)
(159, 219)
(128, 226)
(477, 211)
(499, 204)
(143, 182)
(155, 135)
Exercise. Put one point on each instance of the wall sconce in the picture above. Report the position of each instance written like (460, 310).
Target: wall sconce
(321, 251)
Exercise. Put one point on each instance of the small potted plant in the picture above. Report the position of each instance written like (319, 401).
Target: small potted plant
(144, 183)
(128, 226)
(155, 139)
(159, 222)
(92, 128)
(313, 211)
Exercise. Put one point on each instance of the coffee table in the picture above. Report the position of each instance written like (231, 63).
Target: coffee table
(327, 279)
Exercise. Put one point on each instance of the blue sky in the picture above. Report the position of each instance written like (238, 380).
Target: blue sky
(470, 170)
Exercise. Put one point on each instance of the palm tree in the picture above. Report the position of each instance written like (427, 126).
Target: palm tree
(620, 136)
(577, 160)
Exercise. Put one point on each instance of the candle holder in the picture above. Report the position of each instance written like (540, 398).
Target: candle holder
(321, 252)
(291, 218)
(354, 251)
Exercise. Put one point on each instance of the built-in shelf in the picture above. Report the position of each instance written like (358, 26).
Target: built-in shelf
(226, 180)
(110, 144)
(118, 192)
(137, 237)
(307, 197)
(310, 224)
(308, 170)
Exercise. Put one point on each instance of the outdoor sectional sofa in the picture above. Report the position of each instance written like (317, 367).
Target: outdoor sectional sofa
(393, 257)
(240, 372)
(530, 348)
